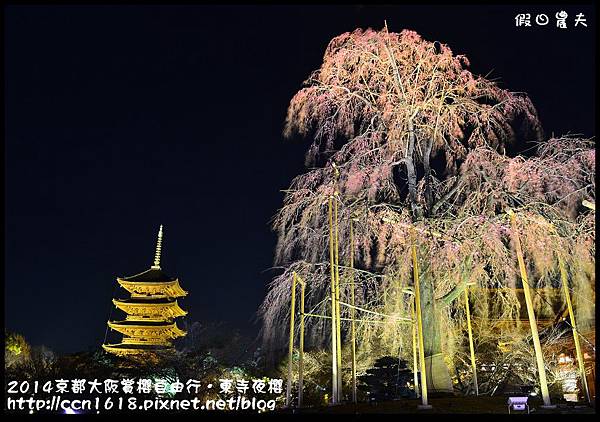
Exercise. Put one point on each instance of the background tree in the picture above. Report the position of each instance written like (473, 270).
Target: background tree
(419, 141)
(16, 349)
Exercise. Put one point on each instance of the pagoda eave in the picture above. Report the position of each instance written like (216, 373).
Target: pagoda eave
(168, 310)
(149, 288)
(131, 329)
(122, 349)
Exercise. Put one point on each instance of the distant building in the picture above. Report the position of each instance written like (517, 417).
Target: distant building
(563, 347)
(151, 311)
(567, 358)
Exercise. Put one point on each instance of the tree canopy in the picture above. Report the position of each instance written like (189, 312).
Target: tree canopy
(406, 138)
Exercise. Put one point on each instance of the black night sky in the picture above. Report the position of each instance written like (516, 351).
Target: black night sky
(122, 118)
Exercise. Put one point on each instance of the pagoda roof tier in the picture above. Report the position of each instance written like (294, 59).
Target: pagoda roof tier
(144, 288)
(152, 275)
(147, 299)
(122, 349)
(158, 309)
(143, 323)
(147, 329)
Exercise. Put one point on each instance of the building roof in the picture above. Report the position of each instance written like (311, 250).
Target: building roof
(144, 323)
(146, 301)
(127, 346)
(152, 275)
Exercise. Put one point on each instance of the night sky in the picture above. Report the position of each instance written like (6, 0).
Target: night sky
(122, 118)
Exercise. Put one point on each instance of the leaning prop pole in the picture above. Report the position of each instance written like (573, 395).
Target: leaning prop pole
(539, 357)
(471, 348)
(424, 404)
(580, 361)
(288, 395)
(334, 370)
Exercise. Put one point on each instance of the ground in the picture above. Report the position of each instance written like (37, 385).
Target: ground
(449, 405)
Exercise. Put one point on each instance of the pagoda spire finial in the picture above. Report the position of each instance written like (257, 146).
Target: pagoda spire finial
(156, 265)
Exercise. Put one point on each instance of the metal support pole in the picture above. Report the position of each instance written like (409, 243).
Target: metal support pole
(338, 334)
(288, 396)
(580, 361)
(415, 348)
(352, 312)
(539, 357)
(301, 357)
(334, 370)
(424, 404)
(471, 348)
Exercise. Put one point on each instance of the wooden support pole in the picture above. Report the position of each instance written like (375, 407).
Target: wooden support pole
(415, 348)
(424, 404)
(580, 361)
(288, 396)
(352, 313)
(539, 357)
(301, 357)
(338, 326)
(334, 369)
(471, 347)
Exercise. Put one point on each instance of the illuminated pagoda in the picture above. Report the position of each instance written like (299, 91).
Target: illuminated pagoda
(151, 311)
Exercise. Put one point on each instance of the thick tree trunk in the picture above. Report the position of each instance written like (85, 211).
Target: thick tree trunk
(427, 177)
(438, 375)
(411, 174)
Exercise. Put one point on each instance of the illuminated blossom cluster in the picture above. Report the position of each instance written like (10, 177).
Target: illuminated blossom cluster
(383, 111)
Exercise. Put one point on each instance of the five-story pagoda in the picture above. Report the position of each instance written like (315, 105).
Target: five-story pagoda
(151, 310)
